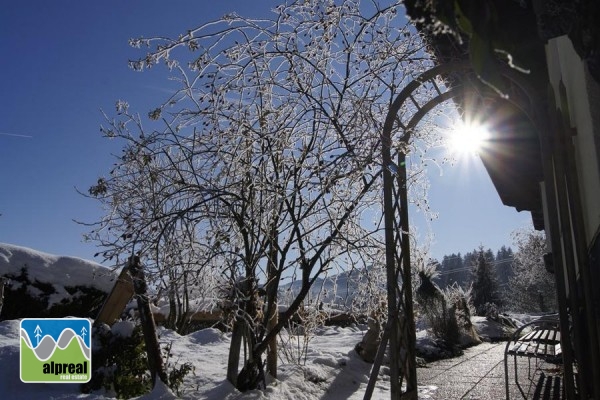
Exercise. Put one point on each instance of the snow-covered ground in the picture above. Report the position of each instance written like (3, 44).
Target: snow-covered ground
(332, 370)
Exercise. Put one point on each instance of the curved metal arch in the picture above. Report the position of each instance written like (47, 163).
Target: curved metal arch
(521, 93)
(430, 105)
(400, 329)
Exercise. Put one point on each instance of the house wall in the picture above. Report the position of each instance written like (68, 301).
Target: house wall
(581, 98)
(577, 96)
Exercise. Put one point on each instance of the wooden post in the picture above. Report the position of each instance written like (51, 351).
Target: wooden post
(155, 361)
(116, 301)
(390, 258)
(408, 331)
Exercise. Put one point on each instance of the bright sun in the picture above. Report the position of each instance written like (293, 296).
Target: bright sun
(468, 138)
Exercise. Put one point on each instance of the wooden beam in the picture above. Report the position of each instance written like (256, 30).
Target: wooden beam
(119, 296)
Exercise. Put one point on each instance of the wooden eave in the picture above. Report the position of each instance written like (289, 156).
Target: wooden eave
(512, 157)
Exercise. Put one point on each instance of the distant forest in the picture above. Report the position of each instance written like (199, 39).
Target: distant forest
(457, 268)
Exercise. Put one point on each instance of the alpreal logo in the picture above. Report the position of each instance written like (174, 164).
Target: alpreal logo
(56, 350)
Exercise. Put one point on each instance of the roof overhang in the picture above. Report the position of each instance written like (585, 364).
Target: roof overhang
(512, 156)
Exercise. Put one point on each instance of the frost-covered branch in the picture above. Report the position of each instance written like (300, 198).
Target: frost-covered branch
(267, 155)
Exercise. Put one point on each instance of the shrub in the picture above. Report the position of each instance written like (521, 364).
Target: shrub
(490, 310)
(176, 373)
(448, 312)
(434, 306)
(24, 298)
(461, 302)
(120, 364)
(293, 344)
(84, 302)
(18, 300)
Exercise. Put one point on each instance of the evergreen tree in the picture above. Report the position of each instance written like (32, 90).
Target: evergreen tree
(470, 261)
(504, 267)
(504, 258)
(486, 297)
(470, 258)
(452, 271)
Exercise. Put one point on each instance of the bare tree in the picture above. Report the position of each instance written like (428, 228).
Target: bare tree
(532, 287)
(141, 203)
(266, 160)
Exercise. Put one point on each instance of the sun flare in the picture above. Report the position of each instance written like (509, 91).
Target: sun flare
(468, 138)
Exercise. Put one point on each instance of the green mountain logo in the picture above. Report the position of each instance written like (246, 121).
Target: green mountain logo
(55, 350)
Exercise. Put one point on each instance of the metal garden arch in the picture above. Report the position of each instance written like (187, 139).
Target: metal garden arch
(400, 328)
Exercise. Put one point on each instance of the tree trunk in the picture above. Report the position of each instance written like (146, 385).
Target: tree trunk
(252, 375)
(243, 328)
(155, 361)
(272, 309)
(272, 347)
(172, 306)
(184, 316)
(233, 361)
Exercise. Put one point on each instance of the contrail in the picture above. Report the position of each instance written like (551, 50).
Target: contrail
(16, 135)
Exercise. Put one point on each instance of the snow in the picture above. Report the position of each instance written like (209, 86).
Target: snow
(200, 304)
(489, 330)
(160, 392)
(60, 271)
(207, 336)
(11, 386)
(123, 328)
(332, 370)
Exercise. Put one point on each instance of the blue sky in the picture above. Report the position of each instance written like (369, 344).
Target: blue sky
(64, 61)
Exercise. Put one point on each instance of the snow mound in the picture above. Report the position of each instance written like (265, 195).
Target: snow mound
(206, 336)
(160, 392)
(10, 329)
(123, 328)
(331, 360)
(490, 330)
